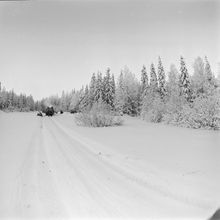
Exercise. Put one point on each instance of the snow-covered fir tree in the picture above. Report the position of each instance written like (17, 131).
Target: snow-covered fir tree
(63, 101)
(81, 97)
(84, 103)
(161, 79)
(144, 81)
(119, 94)
(211, 81)
(113, 85)
(198, 77)
(131, 92)
(92, 90)
(74, 104)
(153, 79)
(108, 93)
(106, 80)
(174, 100)
(99, 87)
(199, 67)
(112, 89)
(172, 82)
(184, 81)
(208, 71)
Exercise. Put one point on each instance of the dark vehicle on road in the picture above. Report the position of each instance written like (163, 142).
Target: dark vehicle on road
(49, 111)
(73, 111)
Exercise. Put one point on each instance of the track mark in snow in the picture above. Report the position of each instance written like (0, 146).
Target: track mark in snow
(34, 194)
(153, 183)
(88, 189)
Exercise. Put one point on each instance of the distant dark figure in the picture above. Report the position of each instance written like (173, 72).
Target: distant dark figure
(73, 111)
(61, 111)
(39, 114)
(216, 215)
(49, 111)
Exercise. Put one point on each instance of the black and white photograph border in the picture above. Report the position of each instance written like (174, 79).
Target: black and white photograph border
(110, 109)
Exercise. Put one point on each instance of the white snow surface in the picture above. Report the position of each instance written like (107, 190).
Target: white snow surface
(51, 168)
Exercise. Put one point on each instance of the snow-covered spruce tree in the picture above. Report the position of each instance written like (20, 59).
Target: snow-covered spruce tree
(198, 77)
(99, 87)
(30, 103)
(144, 82)
(180, 104)
(198, 66)
(161, 79)
(92, 90)
(153, 79)
(63, 101)
(113, 88)
(175, 102)
(131, 92)
(184, 81)
(172, 82)
(153, 107)
(84, 102)
(120, 95)
(127, 92)
(208, 71)
(81, 97)
(108, 89)
(74, 103)
(203, 80)
(211, 81)
(68, 100)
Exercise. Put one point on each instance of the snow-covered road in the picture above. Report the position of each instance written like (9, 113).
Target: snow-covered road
(51, 169)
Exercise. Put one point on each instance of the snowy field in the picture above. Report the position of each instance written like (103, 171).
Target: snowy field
(51, 168)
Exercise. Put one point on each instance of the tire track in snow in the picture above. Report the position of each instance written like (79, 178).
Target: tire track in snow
(34, 194)
(75, 176)
(108, 189)
(144, 182)
(116, 196)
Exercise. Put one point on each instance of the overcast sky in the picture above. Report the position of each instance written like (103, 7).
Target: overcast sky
(50, 46)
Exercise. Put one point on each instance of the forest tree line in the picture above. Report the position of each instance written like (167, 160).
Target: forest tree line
(10, 101)
(178, 97)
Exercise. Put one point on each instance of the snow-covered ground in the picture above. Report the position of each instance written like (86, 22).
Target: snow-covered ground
(51, 168)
